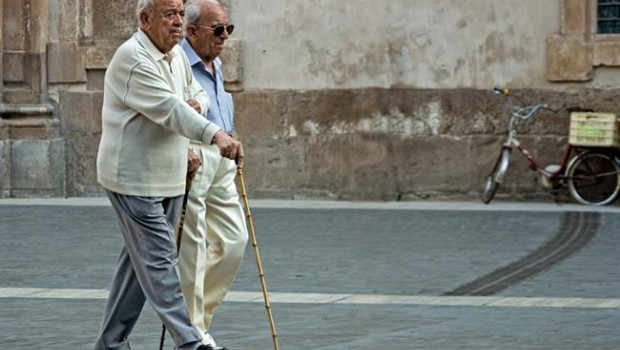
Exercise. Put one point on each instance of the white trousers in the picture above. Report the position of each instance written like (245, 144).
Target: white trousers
(214, 236)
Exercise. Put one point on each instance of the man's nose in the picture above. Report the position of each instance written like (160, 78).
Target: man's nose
(178, 18)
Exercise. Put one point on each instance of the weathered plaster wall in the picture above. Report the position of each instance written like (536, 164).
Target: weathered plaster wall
(366, 99)
(390, 100)
(327, 44)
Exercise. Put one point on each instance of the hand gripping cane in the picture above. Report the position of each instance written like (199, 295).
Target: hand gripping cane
(188, 185)
(261, 273)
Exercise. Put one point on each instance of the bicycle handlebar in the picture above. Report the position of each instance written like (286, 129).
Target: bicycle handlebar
(523, 112)
(554, 110)
(501, 91)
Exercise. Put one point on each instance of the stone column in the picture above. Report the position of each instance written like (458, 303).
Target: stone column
(31, 147)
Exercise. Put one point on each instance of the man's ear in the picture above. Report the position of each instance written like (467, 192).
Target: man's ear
(144, 20)
(190, 30)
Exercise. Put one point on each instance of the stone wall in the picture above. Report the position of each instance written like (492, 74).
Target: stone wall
(395, 144)
(31, 144)
(364, 100)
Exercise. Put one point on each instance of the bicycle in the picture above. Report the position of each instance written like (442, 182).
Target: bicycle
(592, 175)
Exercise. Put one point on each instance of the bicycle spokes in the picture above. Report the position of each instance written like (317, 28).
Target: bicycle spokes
(594, 178)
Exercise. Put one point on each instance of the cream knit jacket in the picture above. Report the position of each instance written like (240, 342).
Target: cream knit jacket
(146, 122)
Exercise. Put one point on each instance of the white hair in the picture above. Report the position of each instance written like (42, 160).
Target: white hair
(142, 6)
(193, 10)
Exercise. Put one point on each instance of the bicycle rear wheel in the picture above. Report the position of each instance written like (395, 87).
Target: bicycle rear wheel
(594, 178)
(495, 178)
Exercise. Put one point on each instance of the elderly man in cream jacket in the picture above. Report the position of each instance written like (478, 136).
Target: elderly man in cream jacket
(152, 106)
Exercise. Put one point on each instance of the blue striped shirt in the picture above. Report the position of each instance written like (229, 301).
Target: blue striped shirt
(222, 107)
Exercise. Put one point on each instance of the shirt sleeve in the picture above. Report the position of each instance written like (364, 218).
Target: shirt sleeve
(199, 94)
(196, 91)
(150, 95)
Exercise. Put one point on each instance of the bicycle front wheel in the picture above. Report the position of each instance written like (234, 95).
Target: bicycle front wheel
(594, 179)
(495, 178)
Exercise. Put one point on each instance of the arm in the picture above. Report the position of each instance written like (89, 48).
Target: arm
(199, 97)
(150, 95)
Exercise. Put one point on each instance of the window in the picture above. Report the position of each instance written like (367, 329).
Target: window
(608, 19)
(589, 37)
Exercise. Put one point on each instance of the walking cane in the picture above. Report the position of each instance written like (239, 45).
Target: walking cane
(188, 185)
(261, 273)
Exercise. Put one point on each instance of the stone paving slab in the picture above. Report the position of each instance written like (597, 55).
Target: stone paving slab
(371, 252)
(496, 205)
(70, 324)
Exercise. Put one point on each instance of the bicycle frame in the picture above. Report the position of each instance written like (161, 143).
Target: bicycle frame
(518, 114)
(535, 163)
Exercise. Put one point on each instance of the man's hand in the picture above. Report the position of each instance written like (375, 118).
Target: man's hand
(193, 164)
(194, 104)
(229, 147)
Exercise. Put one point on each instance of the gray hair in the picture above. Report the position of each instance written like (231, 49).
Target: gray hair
(193, 10)
(142, 6)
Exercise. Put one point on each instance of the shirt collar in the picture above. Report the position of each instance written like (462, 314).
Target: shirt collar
(193, 57)
(144, 40)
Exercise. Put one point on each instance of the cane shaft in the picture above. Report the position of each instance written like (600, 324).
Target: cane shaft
(259, 265)
(181, 222)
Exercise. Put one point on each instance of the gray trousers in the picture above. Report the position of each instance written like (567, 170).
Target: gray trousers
(146, 271)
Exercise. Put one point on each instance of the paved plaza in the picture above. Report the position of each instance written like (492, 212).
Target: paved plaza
(341, 276)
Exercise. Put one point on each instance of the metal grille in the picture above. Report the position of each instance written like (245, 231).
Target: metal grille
(608, 17)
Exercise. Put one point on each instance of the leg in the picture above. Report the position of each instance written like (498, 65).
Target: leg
(227, 235)
(193, 249)
(149, 243)
(125, 302)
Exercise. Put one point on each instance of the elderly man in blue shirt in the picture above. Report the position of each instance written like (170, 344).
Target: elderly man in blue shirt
(214, 234)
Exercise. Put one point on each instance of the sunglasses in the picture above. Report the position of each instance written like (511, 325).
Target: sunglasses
(219, 29)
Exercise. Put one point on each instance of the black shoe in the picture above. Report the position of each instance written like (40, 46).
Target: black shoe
(209, 347)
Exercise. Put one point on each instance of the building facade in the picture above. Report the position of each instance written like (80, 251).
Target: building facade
(354, 100)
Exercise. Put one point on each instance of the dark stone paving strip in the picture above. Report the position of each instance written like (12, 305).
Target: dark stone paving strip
(577, 229)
